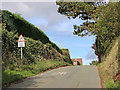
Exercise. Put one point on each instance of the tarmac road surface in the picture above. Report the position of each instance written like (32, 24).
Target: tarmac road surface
(64, 77)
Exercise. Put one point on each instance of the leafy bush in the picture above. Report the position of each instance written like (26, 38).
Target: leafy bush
(33, 50)
(94, 63)
(66, 56)
(68, 60)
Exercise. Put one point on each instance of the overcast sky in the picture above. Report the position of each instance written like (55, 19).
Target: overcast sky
(58, 27)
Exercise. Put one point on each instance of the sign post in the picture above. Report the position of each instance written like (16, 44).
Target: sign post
(21, 55)
(21, 43)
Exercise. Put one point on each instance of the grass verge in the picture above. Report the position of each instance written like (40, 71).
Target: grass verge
(111, 84)
(107, 83)
(9, 76)
(109, 67)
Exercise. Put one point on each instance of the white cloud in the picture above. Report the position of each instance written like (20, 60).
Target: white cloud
(34, 9)
(91, 55)
(24, 8)
(28, 0)
(43, 15)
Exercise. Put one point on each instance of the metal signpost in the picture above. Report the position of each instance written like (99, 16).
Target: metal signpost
(21, 43)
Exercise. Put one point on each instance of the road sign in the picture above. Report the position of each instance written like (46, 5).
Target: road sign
(21, 43)
(21, 39)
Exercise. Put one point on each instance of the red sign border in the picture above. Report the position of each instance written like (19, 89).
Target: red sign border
(22, 40)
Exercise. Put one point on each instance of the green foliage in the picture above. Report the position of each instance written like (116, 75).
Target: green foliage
(119, 53)
(68, 60)
(111, 85)
(56, 47)
(94, 63)
(33, 50)
(75, 9)
(66, 56)
(108, 29)
(118, 57)
(63, 49)
(17, 24)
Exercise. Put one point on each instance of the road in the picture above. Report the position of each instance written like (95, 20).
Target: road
(64, 77)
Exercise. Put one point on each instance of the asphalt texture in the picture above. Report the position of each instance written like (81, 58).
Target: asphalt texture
(64, 77)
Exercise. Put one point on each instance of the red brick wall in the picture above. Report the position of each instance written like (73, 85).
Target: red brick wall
(77, 59)
(75, 63)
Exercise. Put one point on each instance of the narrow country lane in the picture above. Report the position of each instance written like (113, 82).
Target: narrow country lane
(64, 77)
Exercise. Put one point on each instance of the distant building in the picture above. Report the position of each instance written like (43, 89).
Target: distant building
(77, 61)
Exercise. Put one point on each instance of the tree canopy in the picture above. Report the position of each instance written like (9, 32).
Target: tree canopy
(101, 19)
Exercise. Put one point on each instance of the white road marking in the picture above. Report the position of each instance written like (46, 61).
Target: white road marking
(60, 73)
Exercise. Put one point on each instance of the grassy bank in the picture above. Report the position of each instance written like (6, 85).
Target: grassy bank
(10, 76)
(109, 67)
(108, 82)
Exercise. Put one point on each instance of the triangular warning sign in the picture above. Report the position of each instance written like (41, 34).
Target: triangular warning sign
(21, 39)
